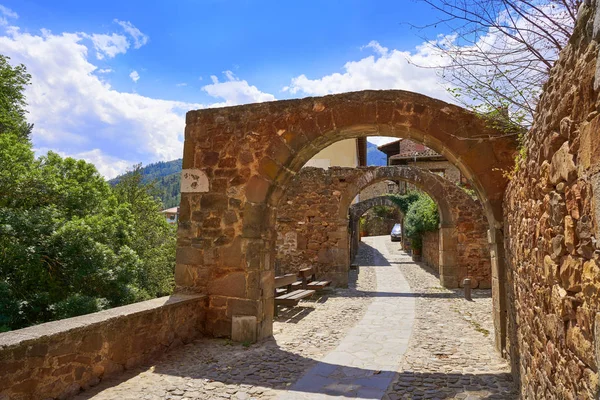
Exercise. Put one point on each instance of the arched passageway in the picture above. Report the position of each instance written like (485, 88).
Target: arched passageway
(357, 210)
(312, 222)
(238, 162)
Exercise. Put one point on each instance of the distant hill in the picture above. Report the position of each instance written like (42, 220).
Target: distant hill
(374, 156)
(167, 175)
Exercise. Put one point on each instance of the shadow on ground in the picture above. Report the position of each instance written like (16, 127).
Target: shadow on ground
(206, 368)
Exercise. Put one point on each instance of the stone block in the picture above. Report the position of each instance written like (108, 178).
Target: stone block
(194, 181)
(243, 329)
(233, 284)
(257, 189)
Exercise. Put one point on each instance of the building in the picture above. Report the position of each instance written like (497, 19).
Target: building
(407, 152)
(171, 214)
(345, 153)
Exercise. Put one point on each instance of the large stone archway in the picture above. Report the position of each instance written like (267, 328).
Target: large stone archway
(238, 161)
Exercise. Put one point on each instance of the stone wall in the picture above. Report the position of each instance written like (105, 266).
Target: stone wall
(377, 226)
(551, 225)
(57, 359)
(450, 171)
(431, 250)
(312, 226)
(310, 230)
(375, 190)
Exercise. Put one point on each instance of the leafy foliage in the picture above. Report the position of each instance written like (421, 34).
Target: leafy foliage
(420, 215)
(12, 99)
(405, 200)
(165, 178)
(69, 243)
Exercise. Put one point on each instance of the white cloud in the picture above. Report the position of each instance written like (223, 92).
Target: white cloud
(235, 91)
(75, 112)
(108, 166)
(134, 76)
(108, 45)
(139, 39)
(389, 69)
(181, 84)
(7, 14)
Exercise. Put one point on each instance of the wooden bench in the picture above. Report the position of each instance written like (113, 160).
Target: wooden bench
(285, 295)
(308, 280)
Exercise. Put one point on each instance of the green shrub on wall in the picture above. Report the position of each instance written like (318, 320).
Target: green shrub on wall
(422, 216)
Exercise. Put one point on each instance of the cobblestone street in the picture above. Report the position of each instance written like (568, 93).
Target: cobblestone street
(450, 353)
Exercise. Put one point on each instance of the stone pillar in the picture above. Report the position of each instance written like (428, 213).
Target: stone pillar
(496, 239)
(449, 273)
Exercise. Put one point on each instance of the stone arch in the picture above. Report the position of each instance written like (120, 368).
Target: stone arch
(238, 160)
(357, 210)
(453, 203)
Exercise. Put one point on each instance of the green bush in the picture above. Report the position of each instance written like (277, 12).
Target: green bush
(405, 200)
(422, 216)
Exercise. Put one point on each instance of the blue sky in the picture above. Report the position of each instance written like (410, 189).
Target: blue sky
(112, 80)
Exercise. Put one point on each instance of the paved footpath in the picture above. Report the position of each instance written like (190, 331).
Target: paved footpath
(364, 363)
(393, 334)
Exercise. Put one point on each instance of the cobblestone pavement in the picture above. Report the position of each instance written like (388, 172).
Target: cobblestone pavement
(220, 369)
(449, 355)
(365, 362)
(451, 352)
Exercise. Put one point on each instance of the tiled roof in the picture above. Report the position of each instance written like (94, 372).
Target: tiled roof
(427, 152)
(172, 210)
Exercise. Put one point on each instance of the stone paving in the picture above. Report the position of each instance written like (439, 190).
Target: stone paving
(221, 369)
(451, 352)
(364, 363)
(340, 344)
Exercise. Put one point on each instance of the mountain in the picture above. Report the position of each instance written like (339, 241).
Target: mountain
(167, 175)
(374, 156)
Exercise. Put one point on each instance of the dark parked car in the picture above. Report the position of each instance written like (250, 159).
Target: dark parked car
(396, 234)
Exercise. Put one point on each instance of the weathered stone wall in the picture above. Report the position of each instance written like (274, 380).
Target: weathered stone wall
(450, 171)
(375, 190)
(310, 230)
(312, 226)
(376, 226)
(551, 223)
(431, 249)
(57, 359)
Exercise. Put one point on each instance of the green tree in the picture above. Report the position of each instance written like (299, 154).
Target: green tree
(69, 243)
(13, 81)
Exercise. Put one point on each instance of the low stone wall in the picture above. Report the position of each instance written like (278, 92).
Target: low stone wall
(431, 249)
(57, 359)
